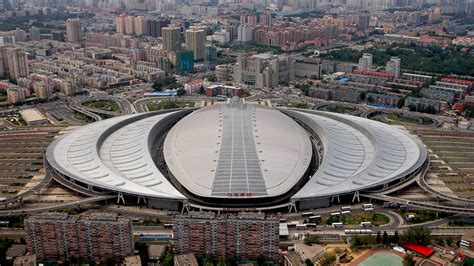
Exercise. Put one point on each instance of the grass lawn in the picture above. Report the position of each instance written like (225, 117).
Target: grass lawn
(80, 117)
(105, 105)
(169, 105)
(422, 216)
(340, 109)
(297, 105)
(397, 119)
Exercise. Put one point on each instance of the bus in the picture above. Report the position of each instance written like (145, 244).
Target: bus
(311, 225)
(368, 209)
(367, 205)
(315, 218)
(346, 208)
(221, 98)
(300, 226)
(305, 214)
(345, 212)
(168, 225)
(293, 224)
(337, 225)
(365, 224)
(335, 214)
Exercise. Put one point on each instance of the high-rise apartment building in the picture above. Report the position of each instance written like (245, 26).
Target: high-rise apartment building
(171, 38)
(393, 66)
(365, 62)
(13, 62)
(42, 91)
(35, 34)
(195, 38)
(130, 25)
(74, 30)
(242, 236)
(120, 23)
(15, 95)
(266, 19)
(97, 236)
(20, 35)
(139, 25)
(153, 26)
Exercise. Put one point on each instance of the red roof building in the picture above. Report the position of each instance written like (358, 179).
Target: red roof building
(470, 83)
(419, 249)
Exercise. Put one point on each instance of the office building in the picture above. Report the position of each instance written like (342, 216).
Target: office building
(195, 38)
(264, 70)
(224, 72)
(184, 61)
(243, 236)
(393, 66)
(74, 30)
(365, 62)
(363, 22)
(58, 36)
(171, 38)
(96, 236)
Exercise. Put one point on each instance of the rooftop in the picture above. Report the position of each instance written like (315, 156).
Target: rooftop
(237, 150)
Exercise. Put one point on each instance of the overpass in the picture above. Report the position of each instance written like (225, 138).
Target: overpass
(19, 197)
(421, 205)
(56, 207)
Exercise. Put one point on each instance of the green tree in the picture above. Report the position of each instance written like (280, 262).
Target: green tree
(209, 261)
(308, 262)
(181, 92)
(418, 234)
(328, 259)
(378, 239)
(395, 238)
(409, 260)
(385, 239)
(168, 81)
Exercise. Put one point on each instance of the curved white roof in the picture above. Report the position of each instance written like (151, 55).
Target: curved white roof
(113, 154)
(237, 151)
(358, 153)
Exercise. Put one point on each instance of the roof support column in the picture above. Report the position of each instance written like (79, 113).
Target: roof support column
(120, 198)
(141, 198)
(356, 196)
(292, 206)
(186, 206)
(335, 197)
